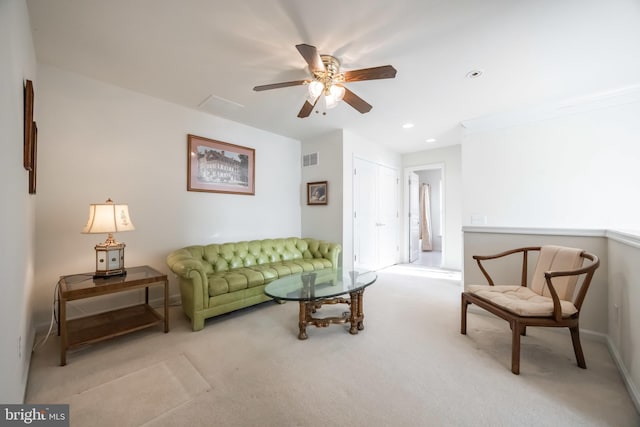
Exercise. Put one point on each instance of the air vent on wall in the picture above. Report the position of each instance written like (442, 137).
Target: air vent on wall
(310, 159)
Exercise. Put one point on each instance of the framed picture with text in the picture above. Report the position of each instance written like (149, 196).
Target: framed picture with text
(219, 167)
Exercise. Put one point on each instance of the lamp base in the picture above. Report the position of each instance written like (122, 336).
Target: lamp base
(108, 274)
(110, 259)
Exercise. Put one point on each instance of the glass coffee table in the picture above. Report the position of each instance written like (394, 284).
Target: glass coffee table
(315, 289)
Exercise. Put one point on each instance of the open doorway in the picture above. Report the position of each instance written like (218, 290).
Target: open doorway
(425, 189)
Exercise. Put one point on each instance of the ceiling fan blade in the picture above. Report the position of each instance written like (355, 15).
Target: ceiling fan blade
(279, 85)
(383, 72)
(307, 108)
(356, 102)
(310, 54)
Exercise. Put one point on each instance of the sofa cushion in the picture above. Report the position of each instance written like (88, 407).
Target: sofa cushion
(231, 281)
(268, 272)
(521, 300)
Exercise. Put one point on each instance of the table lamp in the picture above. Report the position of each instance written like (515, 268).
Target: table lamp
(108, 218)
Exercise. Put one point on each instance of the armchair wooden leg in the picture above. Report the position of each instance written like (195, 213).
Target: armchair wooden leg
(515, 347)
(577, 348)
(463, 315)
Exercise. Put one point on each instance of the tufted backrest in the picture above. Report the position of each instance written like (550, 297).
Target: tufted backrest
(230, 256)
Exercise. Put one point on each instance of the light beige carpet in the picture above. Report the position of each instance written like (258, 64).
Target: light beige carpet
(154, 389)
(409, 367)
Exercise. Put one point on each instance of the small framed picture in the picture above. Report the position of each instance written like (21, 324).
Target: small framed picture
(317, 193)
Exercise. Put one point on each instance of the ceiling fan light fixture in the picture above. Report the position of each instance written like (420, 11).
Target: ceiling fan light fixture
(337, 92)
(327, 79)
(330, 101)
(315, 89)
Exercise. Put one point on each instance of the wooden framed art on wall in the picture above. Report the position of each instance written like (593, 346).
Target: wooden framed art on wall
(219, 167)
(28, 125)
(317, 193)
(34, 158)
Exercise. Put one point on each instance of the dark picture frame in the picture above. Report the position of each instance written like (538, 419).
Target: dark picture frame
(34, 158)
(219, 167)
(317, 193)
(28, 125)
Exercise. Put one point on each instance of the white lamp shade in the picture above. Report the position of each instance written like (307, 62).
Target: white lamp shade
(108, 218)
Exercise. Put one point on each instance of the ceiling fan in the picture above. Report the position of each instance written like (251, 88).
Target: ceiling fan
(328, 80)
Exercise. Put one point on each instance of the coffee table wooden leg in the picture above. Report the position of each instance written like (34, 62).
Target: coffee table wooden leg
(353, 316)
(302, 321)
(360, 310)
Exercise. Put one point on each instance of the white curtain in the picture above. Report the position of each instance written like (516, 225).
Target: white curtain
(425, 217)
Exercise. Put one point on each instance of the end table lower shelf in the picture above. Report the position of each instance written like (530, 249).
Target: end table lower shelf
(106, 325)
(103, 326)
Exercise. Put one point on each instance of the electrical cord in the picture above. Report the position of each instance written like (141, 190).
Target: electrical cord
(54, 318)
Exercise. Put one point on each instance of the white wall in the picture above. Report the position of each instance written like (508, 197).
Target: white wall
(450, 157)
(572, 171)
(17, 64)
(324, 221)
(99, 141)
(624, 316)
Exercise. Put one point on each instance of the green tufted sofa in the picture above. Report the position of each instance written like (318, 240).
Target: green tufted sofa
(219, 278)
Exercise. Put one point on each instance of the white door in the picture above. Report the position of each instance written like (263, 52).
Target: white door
(388, 216)
(365, 215)
(414, 216)
(375, 195)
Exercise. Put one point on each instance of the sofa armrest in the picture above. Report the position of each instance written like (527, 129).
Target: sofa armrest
(194, 270)
(326, 250)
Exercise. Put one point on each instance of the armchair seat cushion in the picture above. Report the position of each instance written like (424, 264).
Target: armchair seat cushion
(521, 300)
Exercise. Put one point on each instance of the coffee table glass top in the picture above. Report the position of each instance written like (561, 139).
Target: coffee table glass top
(327, 283)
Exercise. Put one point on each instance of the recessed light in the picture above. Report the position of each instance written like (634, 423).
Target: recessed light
(407, 125)
(431, 140)
(474, 74)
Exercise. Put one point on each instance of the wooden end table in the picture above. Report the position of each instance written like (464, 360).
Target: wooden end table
(102, 326)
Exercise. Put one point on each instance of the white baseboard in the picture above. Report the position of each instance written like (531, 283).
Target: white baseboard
(628, 381)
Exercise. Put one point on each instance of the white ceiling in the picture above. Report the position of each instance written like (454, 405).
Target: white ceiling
(183, 51)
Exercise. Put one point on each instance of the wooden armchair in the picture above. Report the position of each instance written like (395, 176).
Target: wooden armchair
(558, 287)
